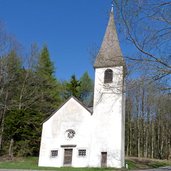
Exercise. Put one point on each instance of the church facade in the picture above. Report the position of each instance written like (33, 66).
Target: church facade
(77, 136)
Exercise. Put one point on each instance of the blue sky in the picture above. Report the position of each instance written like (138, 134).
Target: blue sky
(69, 28)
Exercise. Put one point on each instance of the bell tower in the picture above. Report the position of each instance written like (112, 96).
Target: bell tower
(109, 100)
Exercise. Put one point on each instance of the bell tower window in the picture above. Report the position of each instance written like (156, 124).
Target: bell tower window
(108, 76)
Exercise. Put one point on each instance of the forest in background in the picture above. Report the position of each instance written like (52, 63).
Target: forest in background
(146, 31)
(29, 91)
(29, 94)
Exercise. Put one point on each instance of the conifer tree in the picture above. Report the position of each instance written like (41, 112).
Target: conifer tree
(72, 88)
(86, 89)
(45, 65)
(48, 85)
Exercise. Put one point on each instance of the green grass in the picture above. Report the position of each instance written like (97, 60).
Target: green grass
(20, 163)
(31, 163)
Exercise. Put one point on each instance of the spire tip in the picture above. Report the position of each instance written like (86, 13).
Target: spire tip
(112, 4)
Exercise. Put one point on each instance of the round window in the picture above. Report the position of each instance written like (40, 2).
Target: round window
(70, 133)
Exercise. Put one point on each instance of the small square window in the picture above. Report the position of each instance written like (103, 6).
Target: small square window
(82, 152)
(54, 153)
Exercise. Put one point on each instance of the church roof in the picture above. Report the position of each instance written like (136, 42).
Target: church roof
(110, 53)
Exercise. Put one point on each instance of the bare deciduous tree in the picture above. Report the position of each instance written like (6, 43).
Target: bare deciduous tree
(147, 28)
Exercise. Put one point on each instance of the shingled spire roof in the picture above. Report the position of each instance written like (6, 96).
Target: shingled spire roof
(110, 53)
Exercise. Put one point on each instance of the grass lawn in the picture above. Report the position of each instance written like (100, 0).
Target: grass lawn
(31, 163)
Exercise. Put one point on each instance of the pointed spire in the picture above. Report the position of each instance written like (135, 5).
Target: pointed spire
(112, 7)
(110, 53)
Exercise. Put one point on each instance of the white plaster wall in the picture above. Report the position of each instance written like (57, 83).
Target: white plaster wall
(108, 119)
(70, 116)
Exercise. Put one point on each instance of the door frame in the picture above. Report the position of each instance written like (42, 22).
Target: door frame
(70, 155)
(104, 159)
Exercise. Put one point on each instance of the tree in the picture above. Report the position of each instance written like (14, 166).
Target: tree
(86, 89)
(49, 87)
(45, 67)
(146, 25)
(23, 128)
(81, 89)
(72, 88)
(10, 74)
(7, 41)
(28, 95)
(147, 120)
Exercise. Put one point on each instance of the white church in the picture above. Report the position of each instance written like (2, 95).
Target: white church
(78, 136)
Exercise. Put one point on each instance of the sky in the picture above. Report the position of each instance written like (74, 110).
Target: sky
(71, 29)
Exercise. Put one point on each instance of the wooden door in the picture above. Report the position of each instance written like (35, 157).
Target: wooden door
(67, 157)
(104, 159)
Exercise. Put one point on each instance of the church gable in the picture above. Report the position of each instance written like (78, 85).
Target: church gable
(71, 110)
(72, 116)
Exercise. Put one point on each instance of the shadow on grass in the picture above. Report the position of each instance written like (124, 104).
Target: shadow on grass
(142, 163)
